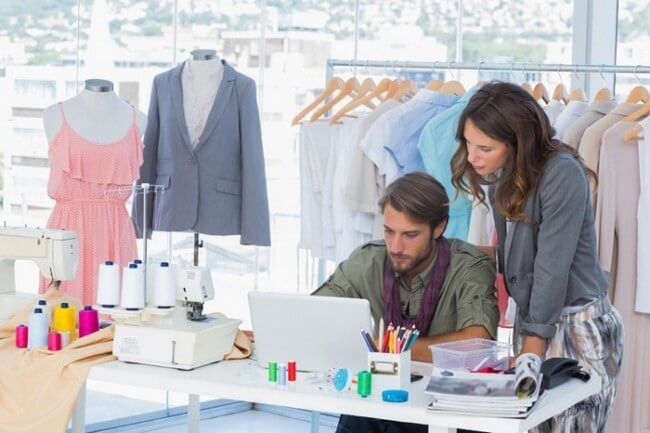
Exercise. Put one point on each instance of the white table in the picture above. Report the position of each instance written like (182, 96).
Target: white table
(244, 381)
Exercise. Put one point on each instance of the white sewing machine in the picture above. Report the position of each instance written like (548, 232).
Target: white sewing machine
(181, 337)
(53, 251)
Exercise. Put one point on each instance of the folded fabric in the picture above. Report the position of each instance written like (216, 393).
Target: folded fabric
(39, 388)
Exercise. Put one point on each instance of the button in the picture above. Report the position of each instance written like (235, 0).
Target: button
(512, 280)
(191, 161)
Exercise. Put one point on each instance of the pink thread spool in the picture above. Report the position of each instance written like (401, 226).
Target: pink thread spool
(54, 341)
(22, 333)
(88, 321)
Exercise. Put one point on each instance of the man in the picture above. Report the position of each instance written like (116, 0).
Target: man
(416, 276)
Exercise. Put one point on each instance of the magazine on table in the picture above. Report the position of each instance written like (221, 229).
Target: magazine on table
(504, 395)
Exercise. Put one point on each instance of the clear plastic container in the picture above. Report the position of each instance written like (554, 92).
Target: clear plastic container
(471, 354)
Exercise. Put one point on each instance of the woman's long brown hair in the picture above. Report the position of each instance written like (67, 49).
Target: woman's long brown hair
(508, 113)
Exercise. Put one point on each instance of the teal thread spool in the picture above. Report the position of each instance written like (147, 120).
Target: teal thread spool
(364, 383)
(273, 371)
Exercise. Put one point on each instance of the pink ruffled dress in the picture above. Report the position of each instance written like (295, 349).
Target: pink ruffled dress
(85, 180)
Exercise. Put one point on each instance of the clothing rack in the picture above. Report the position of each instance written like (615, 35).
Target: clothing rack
(436, 67)
(485, 66)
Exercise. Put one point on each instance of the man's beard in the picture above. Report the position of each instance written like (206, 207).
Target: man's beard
(408, 264)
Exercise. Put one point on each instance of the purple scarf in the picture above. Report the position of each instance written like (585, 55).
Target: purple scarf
(431, 296)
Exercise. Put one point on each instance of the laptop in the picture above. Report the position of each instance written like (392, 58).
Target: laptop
(318, 332)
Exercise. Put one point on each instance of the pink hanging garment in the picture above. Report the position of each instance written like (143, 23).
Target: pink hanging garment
(84, 178)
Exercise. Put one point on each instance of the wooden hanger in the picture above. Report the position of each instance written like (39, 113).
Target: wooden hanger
(406, 88)
(577, 95)
(526, 86)
(603, 95)
(380, 91)
(638, 94)
(634, 134)
(334, 84)
(392, 90)
(366, 87)
(539, 92)
(435, 85)
(350, 89)
(453, 87)
(560, 93)
(643, 111)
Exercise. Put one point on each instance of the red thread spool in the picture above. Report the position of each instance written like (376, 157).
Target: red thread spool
(291, 371)
(54, 341)
(22, 333)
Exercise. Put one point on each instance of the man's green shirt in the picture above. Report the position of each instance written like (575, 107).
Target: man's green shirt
(468, 295)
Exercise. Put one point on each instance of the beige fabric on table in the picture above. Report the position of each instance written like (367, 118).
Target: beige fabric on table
(596, 111)
(39, 388)
(241, 348)
(591, 140)
(616, 228)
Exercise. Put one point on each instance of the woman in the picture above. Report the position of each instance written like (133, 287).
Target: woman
(539, 191)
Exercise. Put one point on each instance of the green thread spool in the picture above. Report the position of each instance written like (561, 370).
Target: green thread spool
(364, 383)
(273, 371)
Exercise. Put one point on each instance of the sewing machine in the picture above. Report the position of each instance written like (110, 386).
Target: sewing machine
(181, 337)
(53, 251)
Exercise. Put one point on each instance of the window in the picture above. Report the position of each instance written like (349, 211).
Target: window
(633, 46)
(284, 48)
(35, 89)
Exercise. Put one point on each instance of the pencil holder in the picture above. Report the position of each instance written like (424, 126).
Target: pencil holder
(390, 370)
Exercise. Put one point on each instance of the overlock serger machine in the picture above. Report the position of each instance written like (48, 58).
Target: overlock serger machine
(180, 337)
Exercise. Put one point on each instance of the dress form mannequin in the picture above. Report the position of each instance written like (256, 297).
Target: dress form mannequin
(202, 76)
(96, 113)
(95, 149)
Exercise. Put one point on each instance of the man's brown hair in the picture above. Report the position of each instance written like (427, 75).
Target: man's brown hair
(420, 196)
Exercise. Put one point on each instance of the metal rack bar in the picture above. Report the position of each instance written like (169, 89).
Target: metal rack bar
(485, 66)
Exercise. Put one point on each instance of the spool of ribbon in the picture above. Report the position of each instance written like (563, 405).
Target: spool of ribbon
(42, 304)
(38, 329)
(65, 339)
(273, 371)
(64, 319)
(132, 288)
(291, 371)
(88, 321)
(108, 285)
(54, 341)
(364, 385)
(21, 336)
(282, 375)
(164, 290)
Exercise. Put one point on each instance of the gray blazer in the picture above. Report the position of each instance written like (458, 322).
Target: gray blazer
(553, 264)
(219, 187)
